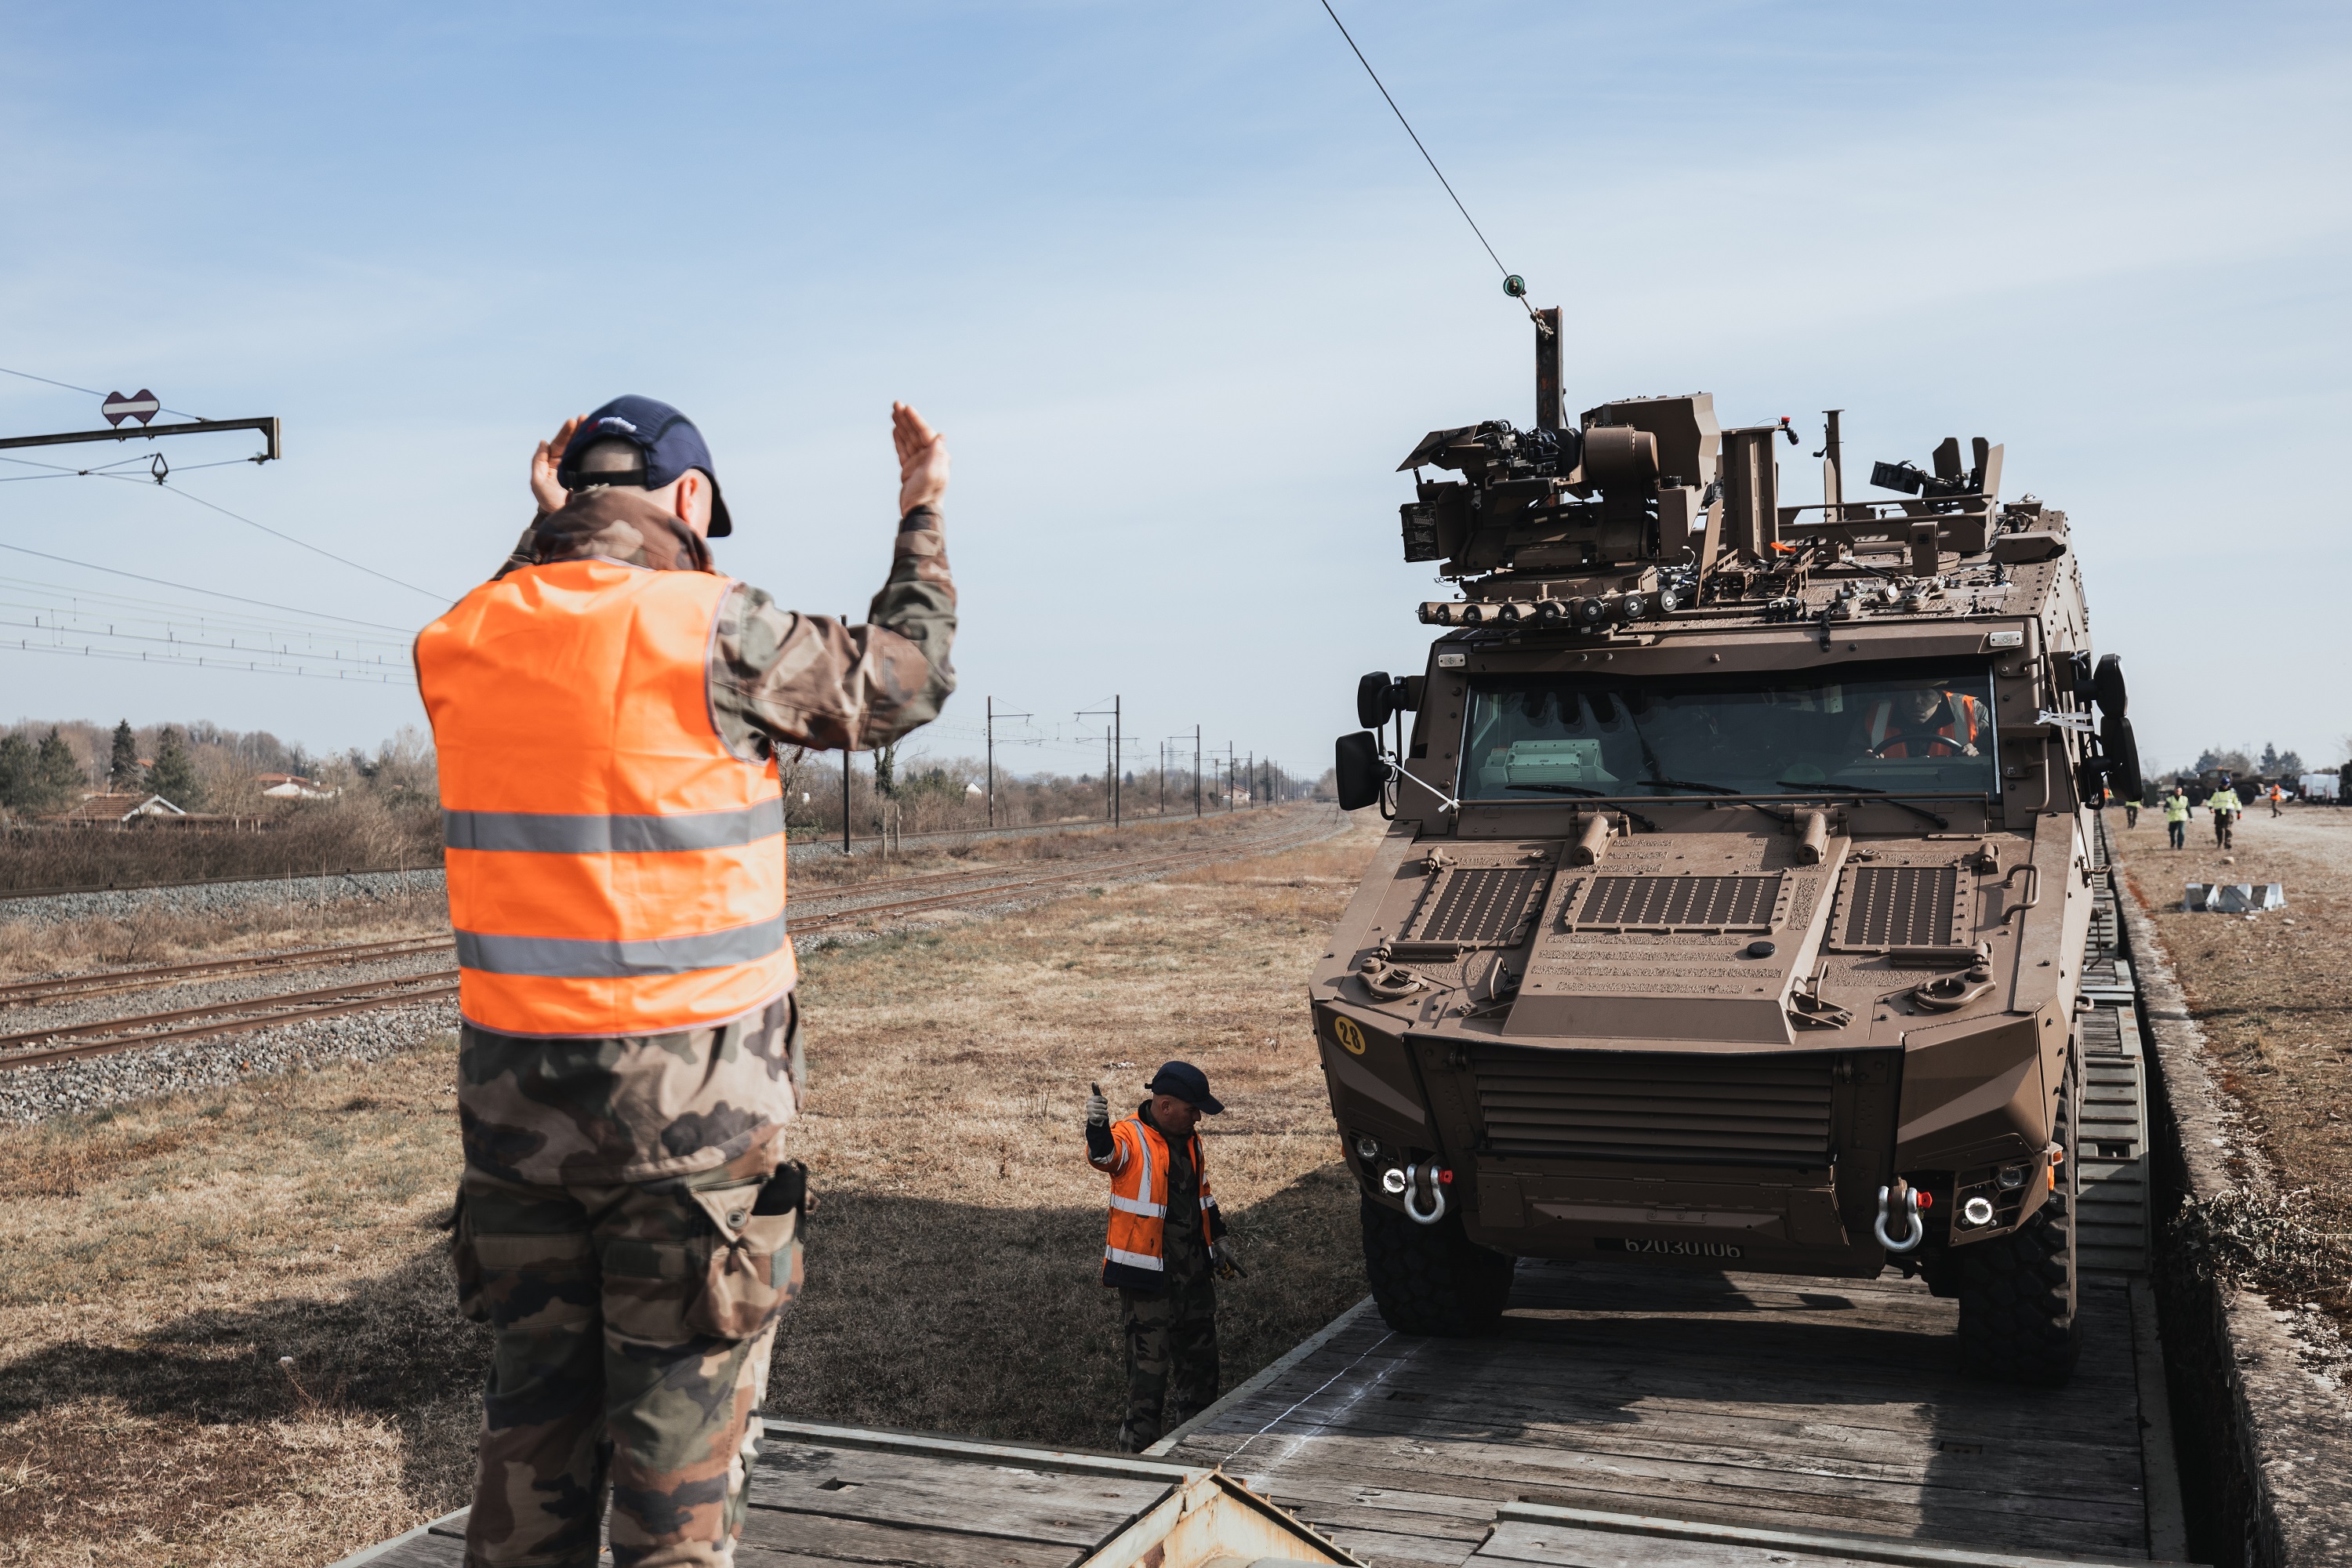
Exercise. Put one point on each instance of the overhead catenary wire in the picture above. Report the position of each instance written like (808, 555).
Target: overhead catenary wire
(192, 588)
(293, 623)
(118, 627)
(1426, 158)
(159, 479)
(91, 392)
(274, 534)
(249, 666)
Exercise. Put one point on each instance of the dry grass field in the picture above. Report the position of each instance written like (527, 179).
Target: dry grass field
(2274, 995)
(157, 1263)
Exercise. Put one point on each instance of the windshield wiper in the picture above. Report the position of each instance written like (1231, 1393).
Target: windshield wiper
(1685, 783)
(1647, 825)
(1918, 811)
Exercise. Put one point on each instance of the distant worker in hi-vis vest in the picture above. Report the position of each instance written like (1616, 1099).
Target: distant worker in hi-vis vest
(1166, 1241)
(2225, 805)
(607, 711)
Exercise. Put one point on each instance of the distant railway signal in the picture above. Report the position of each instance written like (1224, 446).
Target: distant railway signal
(142, 406)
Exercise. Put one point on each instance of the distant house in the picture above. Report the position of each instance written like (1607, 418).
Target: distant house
(291, 786)
(101, 808)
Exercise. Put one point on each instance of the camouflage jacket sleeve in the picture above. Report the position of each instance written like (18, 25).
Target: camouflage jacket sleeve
(782, 679)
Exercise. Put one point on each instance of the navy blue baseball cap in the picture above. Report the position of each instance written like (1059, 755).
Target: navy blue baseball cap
(669, 439)
(1187, 1083)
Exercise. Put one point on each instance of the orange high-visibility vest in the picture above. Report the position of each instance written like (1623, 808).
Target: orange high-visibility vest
(1961, 730)
(613, 867)
(1134, 1255)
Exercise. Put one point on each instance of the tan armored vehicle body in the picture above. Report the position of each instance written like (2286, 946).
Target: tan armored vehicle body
(1734, 912)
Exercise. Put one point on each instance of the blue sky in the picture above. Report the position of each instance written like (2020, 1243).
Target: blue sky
(1180, 293)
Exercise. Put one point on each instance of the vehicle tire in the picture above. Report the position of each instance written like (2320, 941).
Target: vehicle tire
(1431, 1278)
(2018, 1292)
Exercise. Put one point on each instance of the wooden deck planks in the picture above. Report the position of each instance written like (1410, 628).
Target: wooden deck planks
(1827, 1403)
(775, 1535)
(1002, 1502)
(438, 1546)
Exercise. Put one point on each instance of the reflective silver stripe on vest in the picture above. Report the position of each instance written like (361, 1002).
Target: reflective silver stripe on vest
(1138, 1205)
(551, 833)
(1143, 1143)
(1134, 1259)
(573, 958)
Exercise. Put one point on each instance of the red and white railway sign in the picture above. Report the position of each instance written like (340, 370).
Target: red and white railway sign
(142, 406)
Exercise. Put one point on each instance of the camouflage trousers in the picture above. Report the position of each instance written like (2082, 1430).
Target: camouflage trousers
(1171, 1349)
(632, 1328)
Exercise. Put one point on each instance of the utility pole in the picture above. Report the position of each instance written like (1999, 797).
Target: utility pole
(1196, 773)
(1251, 774)
(1110, 758)
(847, 745)
(993, 716)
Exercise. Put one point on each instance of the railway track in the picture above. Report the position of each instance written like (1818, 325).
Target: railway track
(76, 987)
(105, 1036)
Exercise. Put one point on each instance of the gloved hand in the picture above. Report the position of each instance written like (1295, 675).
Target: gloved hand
(1221, 1262)
(1097, 1108)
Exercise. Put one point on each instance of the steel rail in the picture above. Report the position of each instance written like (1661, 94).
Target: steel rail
(235, 1026)
(198, 1023)
(101, 982)
(215, 1009)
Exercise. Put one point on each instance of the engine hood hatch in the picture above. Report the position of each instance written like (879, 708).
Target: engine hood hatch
(1678, 939)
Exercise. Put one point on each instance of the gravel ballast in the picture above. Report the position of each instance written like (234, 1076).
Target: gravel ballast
(44, 910)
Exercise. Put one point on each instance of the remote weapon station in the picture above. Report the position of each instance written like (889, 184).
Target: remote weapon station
(1734, 912)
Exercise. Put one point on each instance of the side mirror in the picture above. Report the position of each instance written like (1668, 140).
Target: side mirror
(1358, 770)
(2107, 686)
(2122, 750)
(1376, 696)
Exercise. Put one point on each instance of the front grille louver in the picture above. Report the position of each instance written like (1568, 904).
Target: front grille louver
(1681, 903)
(1882, 907)
(1679, 1110)
(1480, 906)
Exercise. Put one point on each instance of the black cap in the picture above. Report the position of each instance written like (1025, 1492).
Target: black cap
(1187, 1083)
(669, 439)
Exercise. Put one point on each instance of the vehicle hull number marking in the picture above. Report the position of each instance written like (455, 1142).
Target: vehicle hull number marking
(1351, 1037)
(1668, 1248)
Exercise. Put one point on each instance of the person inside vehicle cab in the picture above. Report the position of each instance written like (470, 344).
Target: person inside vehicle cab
(1925, 721)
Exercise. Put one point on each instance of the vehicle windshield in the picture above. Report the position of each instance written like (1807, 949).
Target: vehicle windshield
(1912, 727)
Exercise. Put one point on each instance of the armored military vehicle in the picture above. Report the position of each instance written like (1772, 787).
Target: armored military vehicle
(1734, 910)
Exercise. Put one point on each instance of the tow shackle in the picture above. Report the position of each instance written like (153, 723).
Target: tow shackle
(1436, 1210)
(1918, 1229)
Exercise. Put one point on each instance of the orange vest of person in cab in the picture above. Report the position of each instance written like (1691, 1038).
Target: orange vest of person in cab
(1135, 1254)
(613, 867)
(1944, 741)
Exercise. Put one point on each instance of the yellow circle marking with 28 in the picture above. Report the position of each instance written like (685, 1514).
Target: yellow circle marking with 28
(1350, 1037)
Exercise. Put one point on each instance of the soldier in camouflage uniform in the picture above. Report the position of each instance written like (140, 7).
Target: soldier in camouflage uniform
(1166, 1244)
(627, 1223)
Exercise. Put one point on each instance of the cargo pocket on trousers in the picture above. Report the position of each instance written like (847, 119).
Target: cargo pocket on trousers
(755, 1264)
(466, 1265)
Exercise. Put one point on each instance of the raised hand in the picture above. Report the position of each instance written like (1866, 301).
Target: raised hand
(545, 488)
(922, 459)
